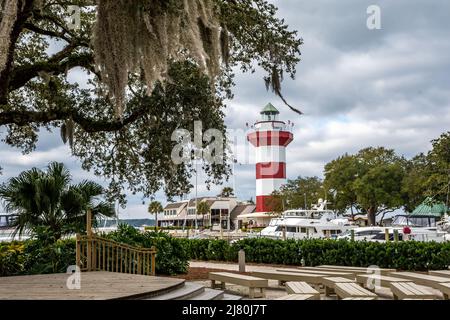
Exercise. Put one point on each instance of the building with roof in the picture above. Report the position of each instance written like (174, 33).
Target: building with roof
(427, 214)
(430, 209)
(223, 213)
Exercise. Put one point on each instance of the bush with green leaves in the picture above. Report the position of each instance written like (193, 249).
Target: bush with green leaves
(36, 257)
(171, 256)
(43, 255)
(406, 255)
(11, 258)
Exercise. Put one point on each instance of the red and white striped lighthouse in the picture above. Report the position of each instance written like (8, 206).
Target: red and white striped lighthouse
(270, 138)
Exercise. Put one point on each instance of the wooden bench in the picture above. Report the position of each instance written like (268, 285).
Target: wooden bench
(439, 273)
(410, 290)
(329, 282)
(421, 278)
(289, 276)
(367, 298)
(359, 270)
(297, 297)
(352, 290)
(353, 272)
(377, 280)
(302, 288)
(324, 273)
(243, 280)
(444, 288)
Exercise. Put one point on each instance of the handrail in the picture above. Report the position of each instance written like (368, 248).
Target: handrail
(95, 253)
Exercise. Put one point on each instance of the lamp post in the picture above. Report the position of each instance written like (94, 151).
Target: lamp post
(196, 198)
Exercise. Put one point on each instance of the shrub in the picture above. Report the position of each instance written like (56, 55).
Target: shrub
(41, 255)
(171, 256)
(42, 258)
(408, 255)
(11, 258)
(36, 257)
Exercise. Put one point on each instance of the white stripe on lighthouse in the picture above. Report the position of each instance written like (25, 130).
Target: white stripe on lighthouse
(270, 154)
(267, 186)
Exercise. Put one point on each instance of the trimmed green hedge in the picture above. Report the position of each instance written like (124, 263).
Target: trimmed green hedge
(173, 254)
(403, 255)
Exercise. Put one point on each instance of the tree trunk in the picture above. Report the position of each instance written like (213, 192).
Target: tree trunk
(371, 213)
(14, 15)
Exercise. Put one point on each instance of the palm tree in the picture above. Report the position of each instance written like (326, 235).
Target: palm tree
(203, 208)
(155, 207)
(47, 199)
(227, 192)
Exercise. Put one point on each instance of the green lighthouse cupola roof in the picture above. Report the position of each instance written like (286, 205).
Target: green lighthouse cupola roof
(269, 109)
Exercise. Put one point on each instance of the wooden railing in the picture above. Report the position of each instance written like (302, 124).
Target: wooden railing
(94, 253)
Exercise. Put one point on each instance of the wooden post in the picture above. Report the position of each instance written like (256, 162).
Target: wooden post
(89, 222)
(117, 259)
(78, 251)
(94, 255)
(153, 261)
(121, 259)
(104, 255)
(89, 235)
(352, 235)
(241, 258)
(396, 235)
(129, 261)
(147, 262)
(139, 263)
(386, 234)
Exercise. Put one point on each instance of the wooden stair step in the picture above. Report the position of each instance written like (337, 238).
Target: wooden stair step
(209, 294)
(228, 296)
(186, 292)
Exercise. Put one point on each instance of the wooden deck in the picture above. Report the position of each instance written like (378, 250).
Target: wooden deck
(94, 286)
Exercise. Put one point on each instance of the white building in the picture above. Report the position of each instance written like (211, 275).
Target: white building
(222, 214)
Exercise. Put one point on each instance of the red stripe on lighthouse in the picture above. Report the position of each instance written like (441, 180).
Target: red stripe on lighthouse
(271, 170)
(270, 138)
(264, 204)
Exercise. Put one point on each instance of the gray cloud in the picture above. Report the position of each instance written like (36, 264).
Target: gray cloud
(358, 88)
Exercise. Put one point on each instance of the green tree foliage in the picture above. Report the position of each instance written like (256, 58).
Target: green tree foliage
(339, 177)
(295, 191)
(439, 168)
(414, 184)
(46, 199)
(275, 204)
(428, 175)
(372, 179)
(134, 150)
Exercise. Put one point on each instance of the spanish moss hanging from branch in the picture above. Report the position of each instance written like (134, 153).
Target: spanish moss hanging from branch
(133, 35)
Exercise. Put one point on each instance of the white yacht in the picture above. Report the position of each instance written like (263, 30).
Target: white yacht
(409, 228)
(303, 224)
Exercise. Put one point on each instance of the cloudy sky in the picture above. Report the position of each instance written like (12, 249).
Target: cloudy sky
(358, 87)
